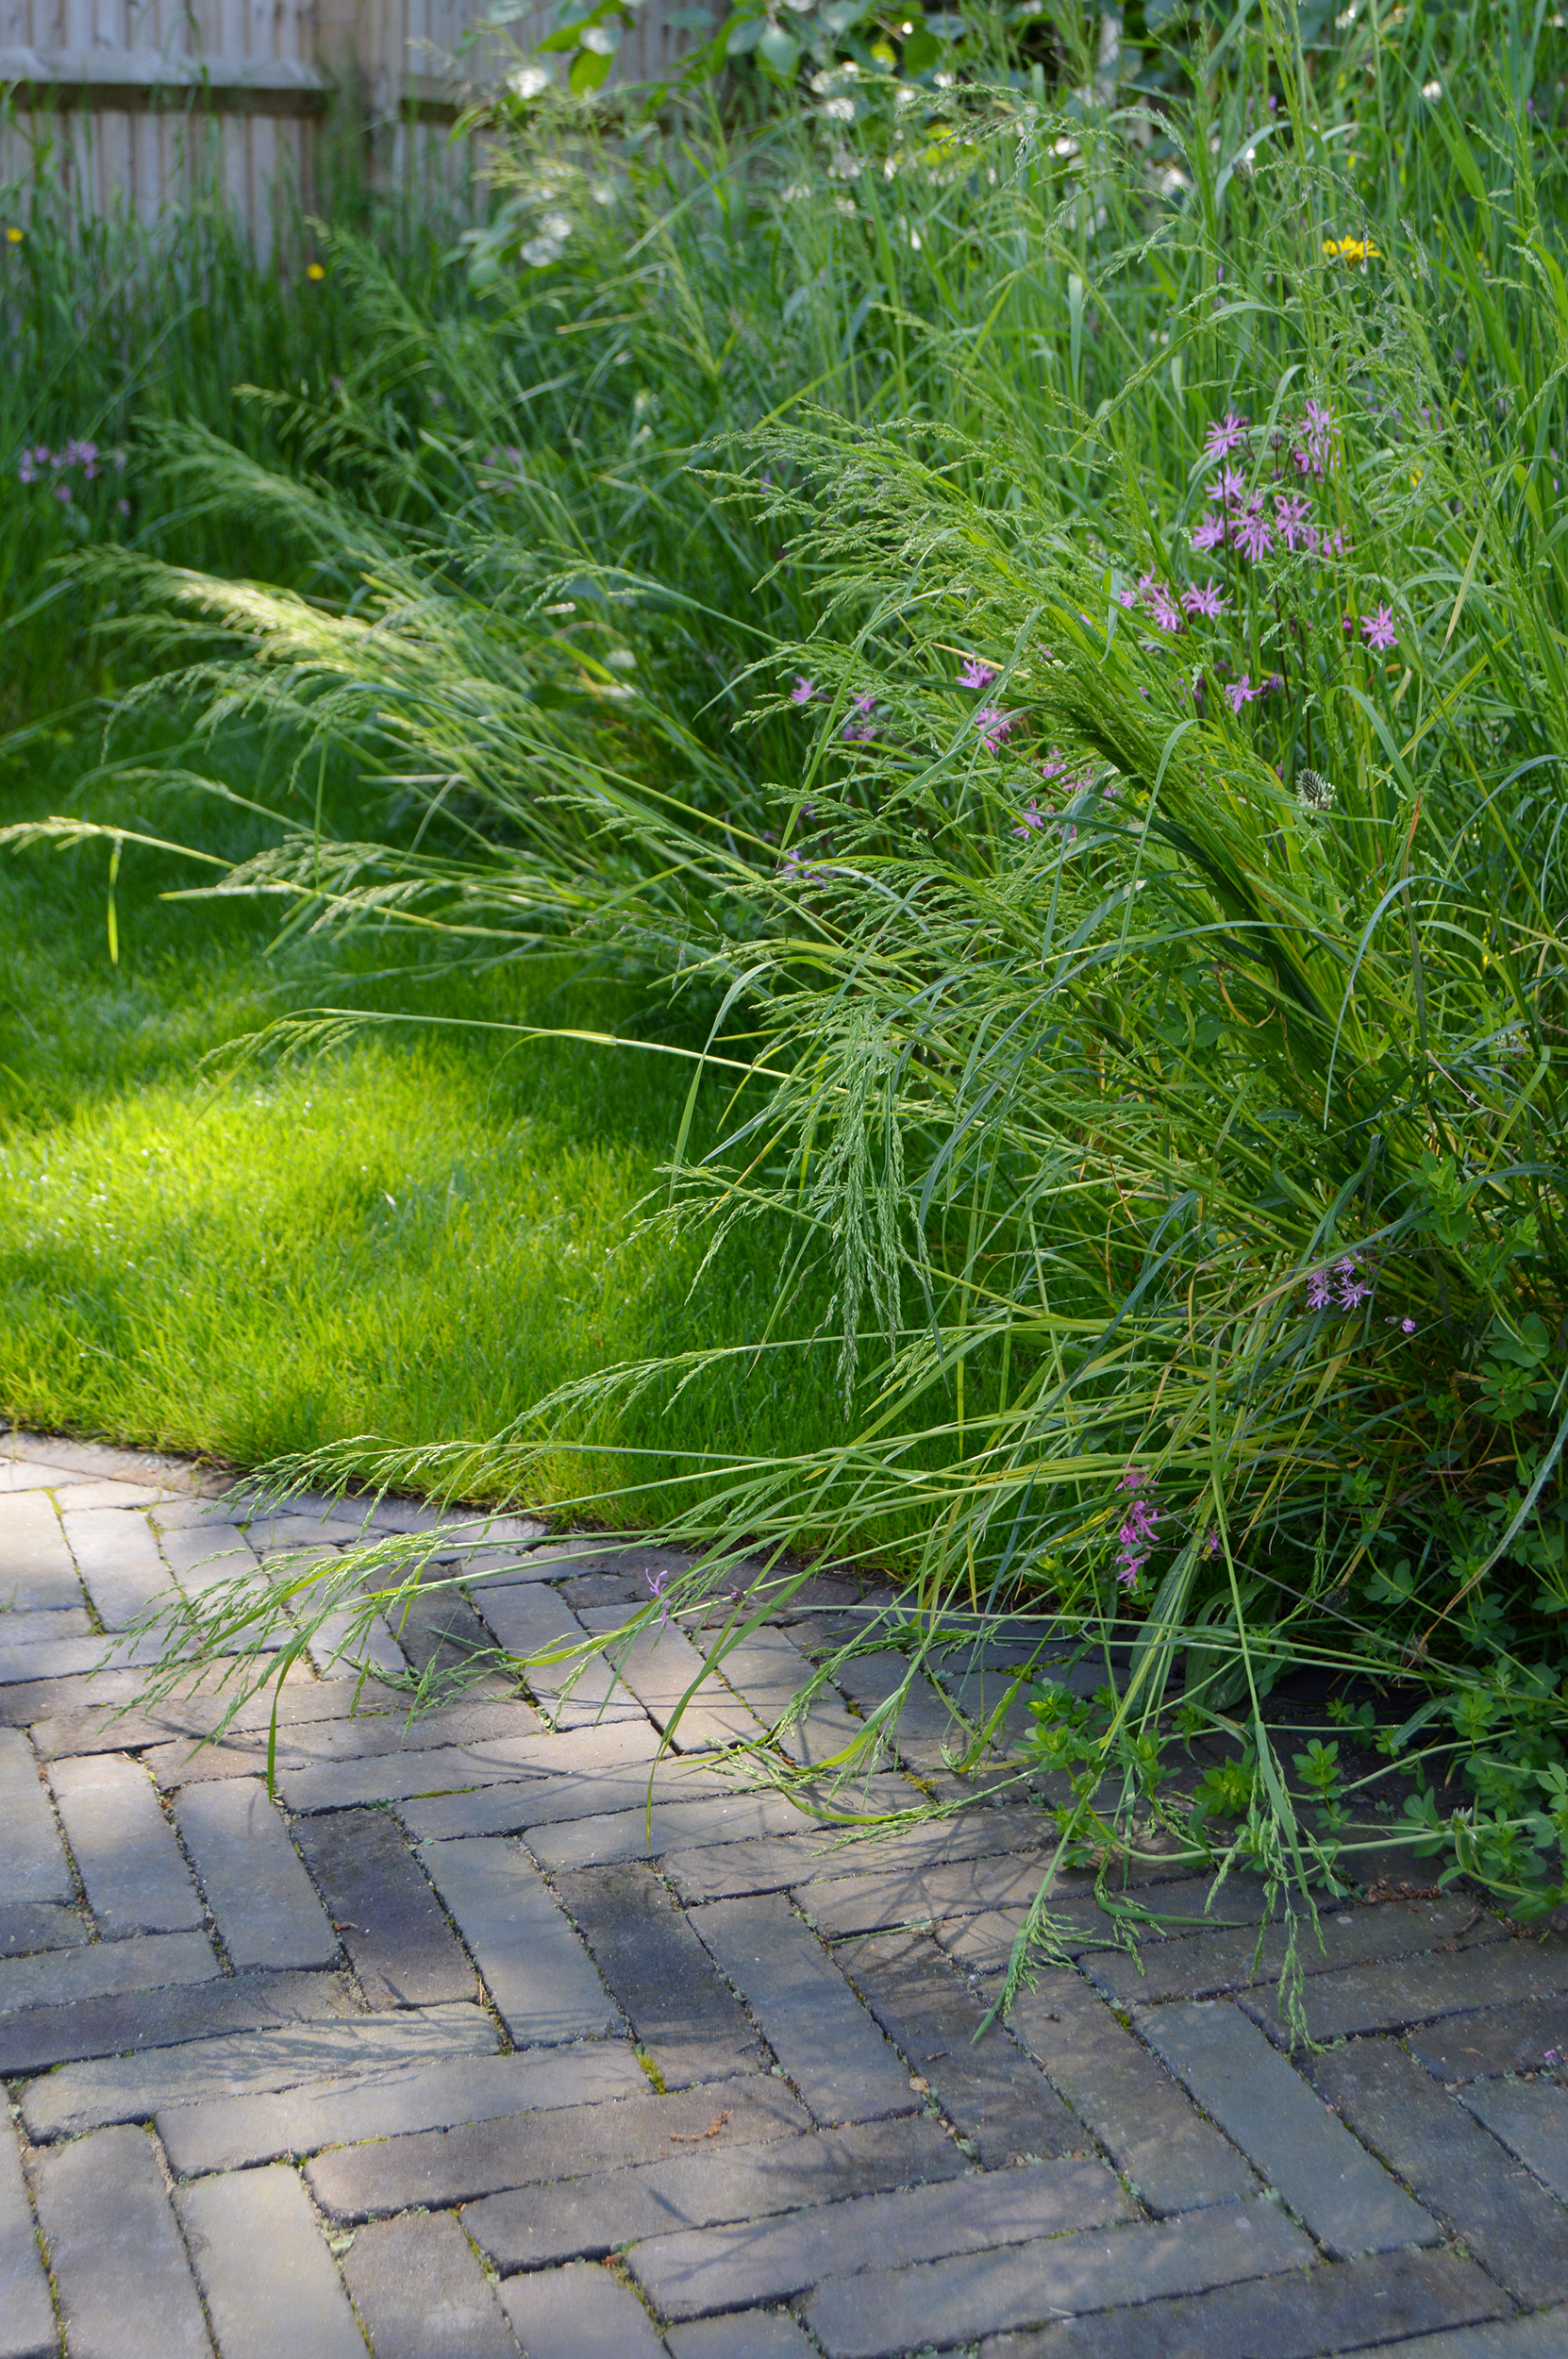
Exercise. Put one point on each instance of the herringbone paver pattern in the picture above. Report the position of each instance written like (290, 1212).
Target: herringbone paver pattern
(518, 2031)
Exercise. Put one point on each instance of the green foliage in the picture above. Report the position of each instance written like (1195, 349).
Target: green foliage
(1139, 958)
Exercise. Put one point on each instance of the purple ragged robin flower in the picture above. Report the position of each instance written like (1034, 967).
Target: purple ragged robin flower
(1210, 535)
(994, 725)
(1240, 692)
(1030, 817)
(975, 674)
(1227, 490)
(1212, 1544)
(1317, 1291)
(656, 1582)
(1254, 535)
(803, 690)
(1227, 435)
(1141, 1530)
(1127, 596)
(1160, 602)
(1354, 1289)
(861, 734)
(1209, 601)
(1378, 631)
(1293, 519)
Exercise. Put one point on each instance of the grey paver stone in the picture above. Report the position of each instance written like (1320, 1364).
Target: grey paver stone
(60, 1621)
(1163, 1912)
(882, 2311)
(771, 1672)
(1505, 2217)
(223, 2065)
(164, 2016)
(995, 2096)
(104, 1968)
(390, 2099)
(1347, 2201)
(730, 1870)
(422, 2293)
(628, 1834)
(704, 2269)
(123, 2281)
(924, 1727)
(1362, 1998)
(27, 2327)
(439, 2166)
(657, 1666)
(745, 2334)
(816, 2027)
(1471, 2047)
(579, 2313)
(65, 1658)
(530, 1621)
(267, 1909)
(659, 1973)
(528, 2227)
(1176, 2161)
(367, 1736)
(542, 1981)
(1342, 2308)
(130, 1862)
(892, 1897)
(87, 1716)
(549, 1801)
(1543, 2336)
(33, 1865)
(118, 1559)
(203, 1556)
(1530, 2118)
(1203, 1964)
(29, 1925)
(398, 1940)
(35, 1569)
(439, 1631)
(392, 1777)
(264, 2270)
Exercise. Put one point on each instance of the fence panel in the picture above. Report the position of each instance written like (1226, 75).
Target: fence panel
(119, 98)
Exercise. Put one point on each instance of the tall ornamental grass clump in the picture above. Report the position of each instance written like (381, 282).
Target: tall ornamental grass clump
(1128, 903)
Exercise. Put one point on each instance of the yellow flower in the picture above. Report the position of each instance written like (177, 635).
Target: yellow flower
(315, 270)
(1350, 250)
(13, 236)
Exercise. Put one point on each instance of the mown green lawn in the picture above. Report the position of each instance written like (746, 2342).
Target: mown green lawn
(415, 1236)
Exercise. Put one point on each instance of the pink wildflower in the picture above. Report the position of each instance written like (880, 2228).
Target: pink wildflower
(1227, 490)
(1354, 1289)
(1160, 602)
(1254, 535)
(1141, 1530)
(1317, 1291)
(1210, 535)
(1225, 437)
(1292, 519)
(1031, 817)
(1378, 631)
(803, 690)
(1209, 601)
(975, 674)
(1240, 692)
(994, 725)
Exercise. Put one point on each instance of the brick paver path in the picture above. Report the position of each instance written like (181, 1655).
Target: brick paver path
(452, 2051)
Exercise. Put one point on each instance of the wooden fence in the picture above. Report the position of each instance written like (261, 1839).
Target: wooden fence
(121, 99)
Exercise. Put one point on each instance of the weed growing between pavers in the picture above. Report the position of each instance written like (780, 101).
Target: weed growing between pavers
(1146, 978)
